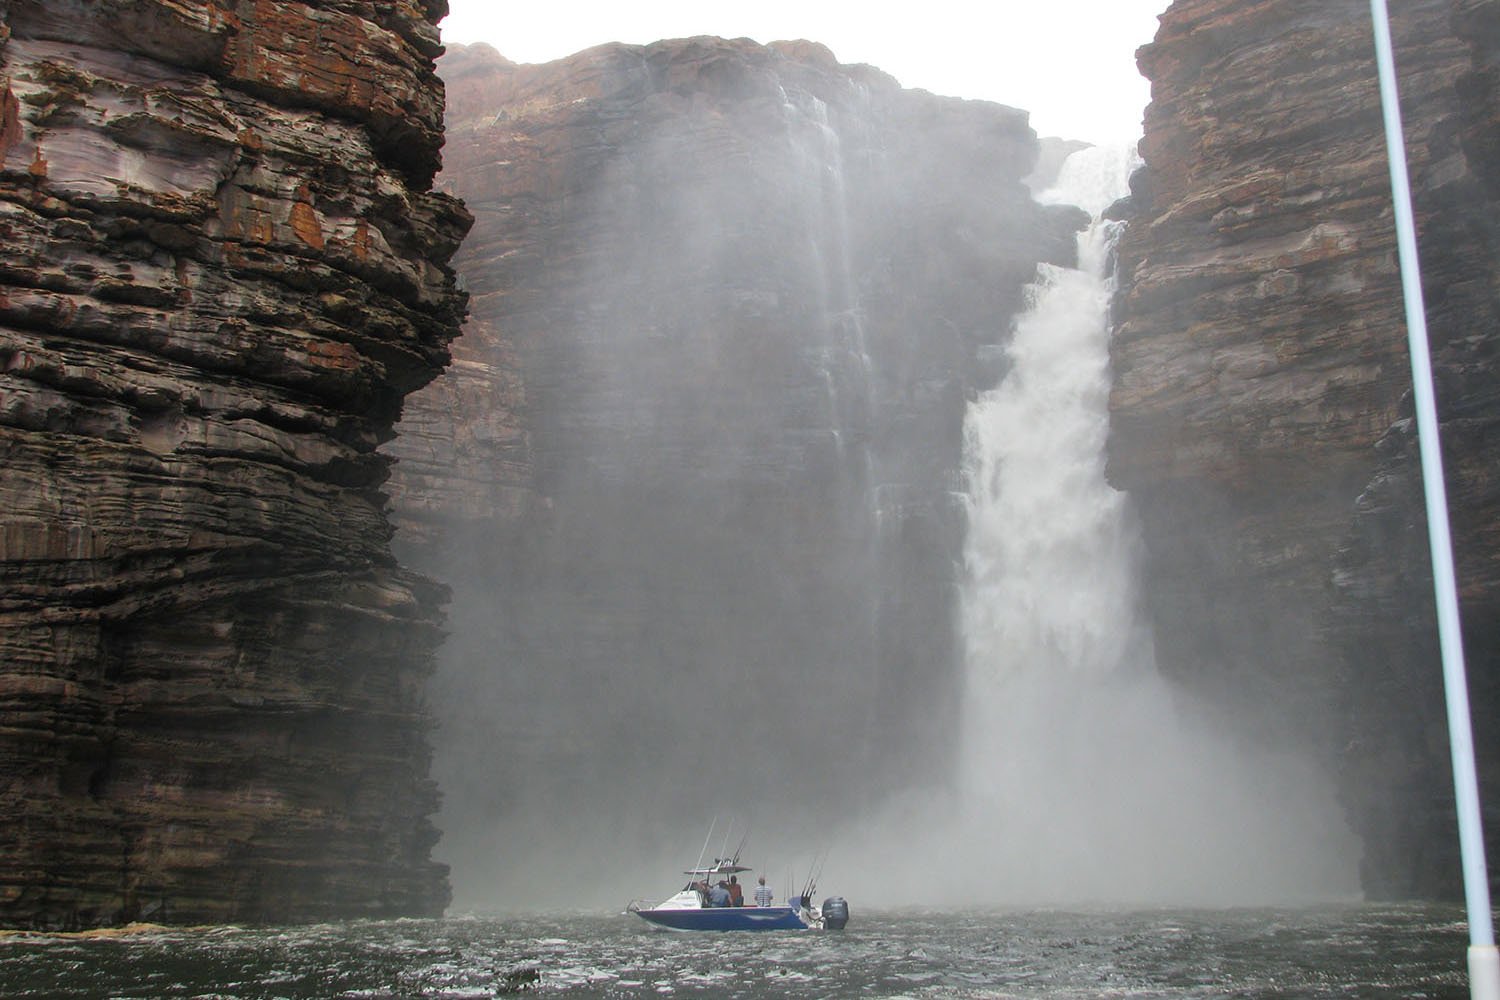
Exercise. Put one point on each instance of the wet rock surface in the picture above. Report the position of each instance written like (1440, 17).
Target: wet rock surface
(1261, 401)
(224, 268)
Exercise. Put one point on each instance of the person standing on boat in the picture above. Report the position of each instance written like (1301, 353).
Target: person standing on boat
(736, 894)
(763, 893)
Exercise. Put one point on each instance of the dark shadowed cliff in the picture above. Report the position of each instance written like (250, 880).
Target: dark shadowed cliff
(691, 474)
(1261, 409)
(223, 269)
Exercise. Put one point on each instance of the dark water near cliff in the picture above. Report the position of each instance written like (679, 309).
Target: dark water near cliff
(1355, 951)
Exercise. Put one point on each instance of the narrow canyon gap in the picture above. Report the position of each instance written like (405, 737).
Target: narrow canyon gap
(693, 329)
(701, 505)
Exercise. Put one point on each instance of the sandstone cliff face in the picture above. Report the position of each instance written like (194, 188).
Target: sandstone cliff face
(223, 270)
(691, 472)
(1261, 380)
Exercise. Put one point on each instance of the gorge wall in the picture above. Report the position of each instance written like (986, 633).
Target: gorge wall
(693, 474)
(224, 268)
(1261, 413)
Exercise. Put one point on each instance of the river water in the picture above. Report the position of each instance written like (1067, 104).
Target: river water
(1364, 951)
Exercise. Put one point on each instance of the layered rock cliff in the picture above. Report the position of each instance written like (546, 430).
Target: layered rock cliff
(224, 267)
(692, 472)
(1261, 402)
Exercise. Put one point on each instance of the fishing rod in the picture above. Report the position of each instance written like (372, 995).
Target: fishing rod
(724, 850)
(736, 859)
(699, 865)
(815, 871)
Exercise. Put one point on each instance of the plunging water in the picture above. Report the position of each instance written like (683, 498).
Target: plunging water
(1084, 776)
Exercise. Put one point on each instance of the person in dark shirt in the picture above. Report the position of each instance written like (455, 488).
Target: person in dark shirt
(736, 894)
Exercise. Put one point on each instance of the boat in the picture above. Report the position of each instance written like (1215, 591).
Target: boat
(690, 908)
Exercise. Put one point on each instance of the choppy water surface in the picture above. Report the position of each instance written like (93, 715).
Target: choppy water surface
(1357, 951)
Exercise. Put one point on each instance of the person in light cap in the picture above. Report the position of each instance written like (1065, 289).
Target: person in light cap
(762, 893)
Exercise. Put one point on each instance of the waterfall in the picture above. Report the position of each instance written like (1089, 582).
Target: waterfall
(841, 352)
(1084, 776)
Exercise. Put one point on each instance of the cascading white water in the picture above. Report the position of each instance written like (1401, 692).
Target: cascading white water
(1084, 779)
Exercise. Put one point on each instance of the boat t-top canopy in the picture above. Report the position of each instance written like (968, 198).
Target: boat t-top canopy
(719, 868)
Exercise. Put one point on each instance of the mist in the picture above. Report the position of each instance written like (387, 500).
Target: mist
(814, 548)
(1083, 777)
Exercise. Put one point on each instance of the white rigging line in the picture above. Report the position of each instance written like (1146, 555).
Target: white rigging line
(1484, 960)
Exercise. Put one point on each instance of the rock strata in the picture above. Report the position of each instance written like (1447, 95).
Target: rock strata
(1261, 408)
(224, 270)
(694, 464)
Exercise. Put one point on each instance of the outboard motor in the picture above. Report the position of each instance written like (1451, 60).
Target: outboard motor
(835, 913)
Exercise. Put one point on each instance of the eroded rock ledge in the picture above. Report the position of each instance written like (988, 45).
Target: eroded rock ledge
(223, 271)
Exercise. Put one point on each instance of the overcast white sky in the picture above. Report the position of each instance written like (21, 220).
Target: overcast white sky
(1071, 63)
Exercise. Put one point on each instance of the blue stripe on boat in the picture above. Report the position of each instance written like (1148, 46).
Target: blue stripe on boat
(727, 918)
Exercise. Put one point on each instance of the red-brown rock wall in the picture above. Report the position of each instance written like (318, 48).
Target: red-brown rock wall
(223, 270)
(1260, 408)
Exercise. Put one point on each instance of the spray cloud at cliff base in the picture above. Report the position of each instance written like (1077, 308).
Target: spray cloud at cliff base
(1071, 63)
